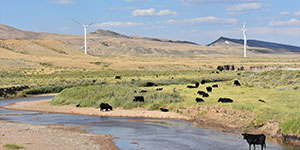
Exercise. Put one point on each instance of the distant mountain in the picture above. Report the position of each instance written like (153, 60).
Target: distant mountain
(276, 47)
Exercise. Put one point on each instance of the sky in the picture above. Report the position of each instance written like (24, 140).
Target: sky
(200, 21)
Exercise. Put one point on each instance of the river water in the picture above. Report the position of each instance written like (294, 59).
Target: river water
(139, 133)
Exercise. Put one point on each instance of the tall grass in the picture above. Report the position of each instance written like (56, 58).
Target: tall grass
(115, 95)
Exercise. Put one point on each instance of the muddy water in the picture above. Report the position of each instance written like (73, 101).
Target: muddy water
(139, 133)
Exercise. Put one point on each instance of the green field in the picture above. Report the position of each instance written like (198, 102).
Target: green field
(279, 88)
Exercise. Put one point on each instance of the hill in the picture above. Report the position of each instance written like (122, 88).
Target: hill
(274, 47)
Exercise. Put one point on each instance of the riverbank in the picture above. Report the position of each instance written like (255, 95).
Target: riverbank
(49, 137)
(220, 118)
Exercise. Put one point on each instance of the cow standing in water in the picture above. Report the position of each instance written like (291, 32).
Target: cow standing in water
(255, 139)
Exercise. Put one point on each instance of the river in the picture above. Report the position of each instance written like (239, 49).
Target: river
(139, 133)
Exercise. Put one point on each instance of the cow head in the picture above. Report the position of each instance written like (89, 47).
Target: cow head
(245, 135)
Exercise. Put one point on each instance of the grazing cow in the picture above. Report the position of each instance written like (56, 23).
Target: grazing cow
(215, 86)
(156, 76)
(143, 91)
(220, 68)
(205, 95)
(117, 77)
(255, 139)
(232, 67)
(190, 87)
(199, 99)
(133, 80)
(138, 99)
(226, 67)
(148, 84)
(159, 89)
(263, 101)
(236, 83)
(209, 89)
(238, 74)
(164, 109)
(225, 100)
(78, 105)
(105, 106)
(201, 92)
(196, 84)
(203, 81)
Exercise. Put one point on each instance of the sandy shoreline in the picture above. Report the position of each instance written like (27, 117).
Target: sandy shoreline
(50, 137)
(44, 106)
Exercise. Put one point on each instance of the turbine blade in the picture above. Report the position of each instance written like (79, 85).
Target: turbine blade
(90, 24)
(77, 22)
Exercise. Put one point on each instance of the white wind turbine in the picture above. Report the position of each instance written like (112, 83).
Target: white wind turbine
(84, 28)
(245, 38)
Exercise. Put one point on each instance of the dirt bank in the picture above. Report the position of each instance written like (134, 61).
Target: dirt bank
(49, 137)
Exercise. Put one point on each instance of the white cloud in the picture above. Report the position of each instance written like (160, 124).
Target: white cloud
(117, 24)
(284, 13)
(61, 2)
(208, 19)
(297, 13)
(143, 12)
(292, 22)
(165, 12)
(244, 6)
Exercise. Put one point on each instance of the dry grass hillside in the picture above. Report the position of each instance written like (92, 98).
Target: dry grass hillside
(110, 50)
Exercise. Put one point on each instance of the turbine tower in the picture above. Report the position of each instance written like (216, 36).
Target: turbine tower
(84, 28)
(245, 38)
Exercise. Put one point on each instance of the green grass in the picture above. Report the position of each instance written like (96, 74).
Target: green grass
(115, 95)
(12, 146)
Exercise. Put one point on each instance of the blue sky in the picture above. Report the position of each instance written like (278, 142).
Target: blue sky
(201, 21)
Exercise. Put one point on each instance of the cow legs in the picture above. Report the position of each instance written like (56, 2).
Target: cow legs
(262, 146)
(254, 146)
(249, 146)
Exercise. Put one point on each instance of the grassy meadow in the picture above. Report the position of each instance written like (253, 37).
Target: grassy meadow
(89, 87)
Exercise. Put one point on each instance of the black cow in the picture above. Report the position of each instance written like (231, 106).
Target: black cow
(215, 86)
(143, 91)
(190, 87)
(226, 67)
(159, 89)
(225, 100)
(220, 68)
(117, 77)
(148, 84)
(205, 95)
(255, 139)
(238, 74)
(164, 109)
(138, 99)
(78, 105)
(196, 84)
(232, 67)
(105, 106)
(263, 101)
(203, 81)
(236, 83)
(201, 92)
(199, 99)
(209, 89)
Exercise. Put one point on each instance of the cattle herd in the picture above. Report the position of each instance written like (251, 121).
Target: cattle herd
(252, 139)
(12, 90)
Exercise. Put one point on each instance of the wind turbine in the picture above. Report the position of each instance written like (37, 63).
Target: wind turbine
(245, 38)
(84, 28)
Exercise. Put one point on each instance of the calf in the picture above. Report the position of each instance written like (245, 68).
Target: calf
(199, 99)
(164, 109)
(255, 139)
(138, 99)
(215, 86)
(105, 106)
(225, 100)
(236, 83)
(209, 89)
(263, 101)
